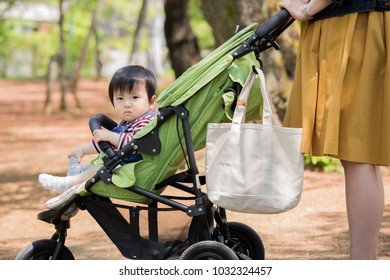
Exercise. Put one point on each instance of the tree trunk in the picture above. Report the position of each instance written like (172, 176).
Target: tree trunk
(225, 15)
(182, 44)
(50, 80)
(62, 55)
(79, 63)
(98, 60)
(137, 32)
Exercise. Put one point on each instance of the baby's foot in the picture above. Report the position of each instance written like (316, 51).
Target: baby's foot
(55, 183)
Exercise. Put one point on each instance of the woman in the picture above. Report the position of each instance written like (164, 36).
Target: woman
(341, 98)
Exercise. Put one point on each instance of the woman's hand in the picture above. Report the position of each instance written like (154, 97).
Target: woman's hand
(303, 9)
(294, 7)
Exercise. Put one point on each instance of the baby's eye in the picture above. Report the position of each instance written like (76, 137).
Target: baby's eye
(119, 98)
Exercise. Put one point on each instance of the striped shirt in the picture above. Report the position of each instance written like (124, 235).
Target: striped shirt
(127, 130)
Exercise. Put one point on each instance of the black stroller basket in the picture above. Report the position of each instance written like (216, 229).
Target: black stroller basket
(210, 235)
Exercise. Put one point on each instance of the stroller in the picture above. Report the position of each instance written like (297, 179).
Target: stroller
(205, 93)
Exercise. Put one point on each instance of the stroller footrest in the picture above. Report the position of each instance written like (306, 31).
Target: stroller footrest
(48, 216)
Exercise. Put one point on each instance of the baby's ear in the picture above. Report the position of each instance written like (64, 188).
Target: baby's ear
(152, 104)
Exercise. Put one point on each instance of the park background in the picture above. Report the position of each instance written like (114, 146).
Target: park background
(56, 58)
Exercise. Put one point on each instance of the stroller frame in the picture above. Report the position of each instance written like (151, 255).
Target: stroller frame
(226, 240)
(202, 211)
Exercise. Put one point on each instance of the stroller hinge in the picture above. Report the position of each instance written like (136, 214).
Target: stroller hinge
(196, 210)
(105, 175)
(149, 144)
(181, 112)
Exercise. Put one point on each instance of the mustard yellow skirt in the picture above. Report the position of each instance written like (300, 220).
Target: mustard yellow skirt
(341, 92)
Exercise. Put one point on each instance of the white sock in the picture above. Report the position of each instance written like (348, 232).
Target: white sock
(55, 183)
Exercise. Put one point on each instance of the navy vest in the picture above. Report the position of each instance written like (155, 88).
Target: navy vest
(353, 6)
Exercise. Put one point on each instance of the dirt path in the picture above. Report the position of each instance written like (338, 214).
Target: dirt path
(32, 143)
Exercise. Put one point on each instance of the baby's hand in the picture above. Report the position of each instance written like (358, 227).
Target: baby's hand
(101, 135)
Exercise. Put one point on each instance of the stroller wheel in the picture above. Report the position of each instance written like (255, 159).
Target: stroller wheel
(208, 250)
(43, 250)
(244, 241)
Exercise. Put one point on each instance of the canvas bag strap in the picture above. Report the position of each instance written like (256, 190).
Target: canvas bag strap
(266, 145)
(240, 110)
(268, 117)
(239, 118)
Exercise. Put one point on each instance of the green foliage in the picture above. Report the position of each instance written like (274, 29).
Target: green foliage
(5, 50)
(200, 26)
(23, 37)
(321, 163)
(116, 25)
(42, 47)
(76, 25)
(26, 43)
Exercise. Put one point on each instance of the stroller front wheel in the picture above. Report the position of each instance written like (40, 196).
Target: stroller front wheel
(43, 250)
(243, 240)
(208, 250)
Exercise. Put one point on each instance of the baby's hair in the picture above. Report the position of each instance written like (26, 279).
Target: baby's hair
(127, 78)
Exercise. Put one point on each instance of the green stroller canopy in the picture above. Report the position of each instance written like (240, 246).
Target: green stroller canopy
(204, 71)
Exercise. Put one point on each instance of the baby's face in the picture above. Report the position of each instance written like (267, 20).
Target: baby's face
(130, 106)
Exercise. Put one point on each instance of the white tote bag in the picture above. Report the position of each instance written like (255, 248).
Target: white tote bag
(254, 168)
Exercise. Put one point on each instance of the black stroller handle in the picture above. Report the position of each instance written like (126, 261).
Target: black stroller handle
(273, 23)
(265, 35)
(97, 122)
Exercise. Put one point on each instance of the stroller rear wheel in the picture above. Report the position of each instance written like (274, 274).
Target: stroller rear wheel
(244, 241)
(208, 250)
(43, 250)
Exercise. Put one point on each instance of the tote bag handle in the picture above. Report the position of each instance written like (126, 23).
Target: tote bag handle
(267, 117)
(240, 110)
